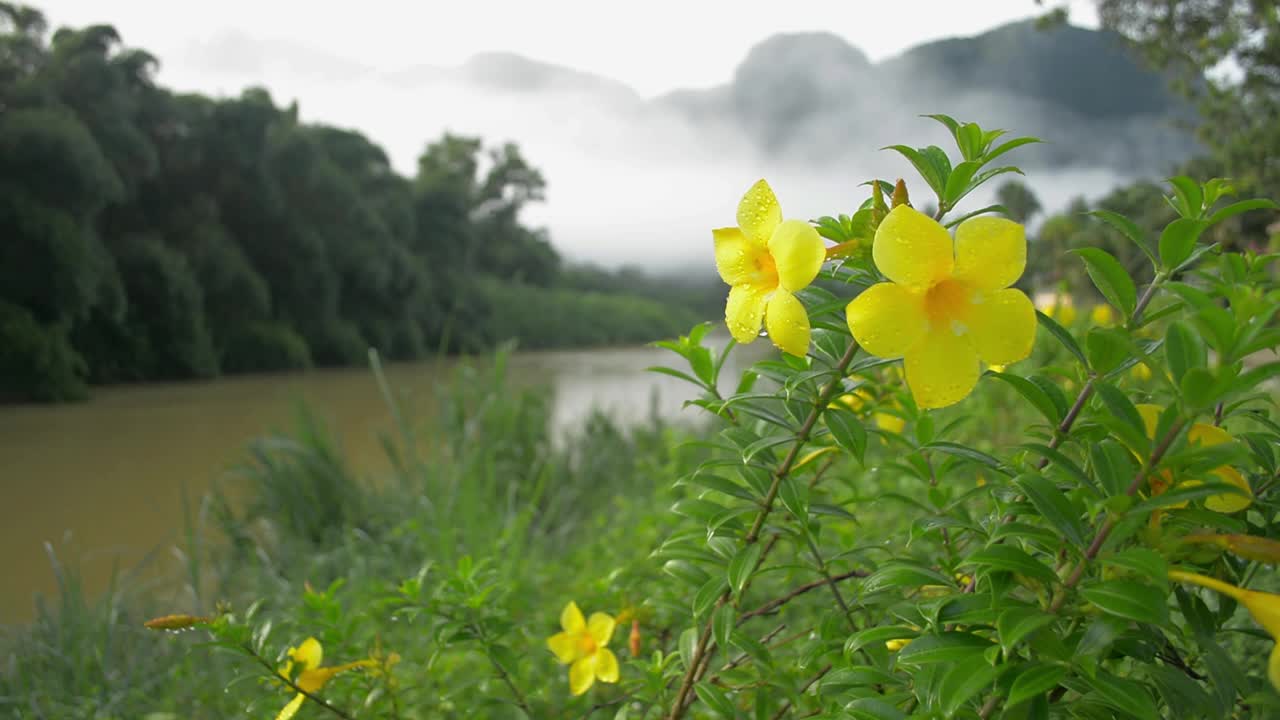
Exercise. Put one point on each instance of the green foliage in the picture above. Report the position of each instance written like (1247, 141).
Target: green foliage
(180, 236)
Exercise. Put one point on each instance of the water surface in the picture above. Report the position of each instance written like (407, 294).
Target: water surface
(103, 481)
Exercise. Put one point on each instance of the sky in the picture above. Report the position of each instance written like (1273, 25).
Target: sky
(653, 46)
(626, 185)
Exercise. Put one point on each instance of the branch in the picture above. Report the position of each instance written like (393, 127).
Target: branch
(695, 665)
(779, 602)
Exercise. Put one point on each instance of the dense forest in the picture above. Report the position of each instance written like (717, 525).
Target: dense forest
(148, 234)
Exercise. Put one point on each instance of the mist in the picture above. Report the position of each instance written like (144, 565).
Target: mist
(642, 181)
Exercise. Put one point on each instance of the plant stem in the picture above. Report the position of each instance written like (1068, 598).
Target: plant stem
(293, 686)
(779, 602)
(1110, 524)
(694, 664)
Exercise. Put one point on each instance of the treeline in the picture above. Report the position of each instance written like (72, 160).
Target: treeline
(147, 234)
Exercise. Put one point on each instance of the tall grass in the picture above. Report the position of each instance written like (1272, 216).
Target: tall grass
(481, 476)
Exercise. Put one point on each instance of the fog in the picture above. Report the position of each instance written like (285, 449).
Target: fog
(630, 180)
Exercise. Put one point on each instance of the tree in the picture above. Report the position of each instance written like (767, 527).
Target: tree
(1021, 202)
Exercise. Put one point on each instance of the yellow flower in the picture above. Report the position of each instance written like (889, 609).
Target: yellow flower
(583, 644)
(1264, 607)
(896, 644)
(1061, 310)
(1102, 315)
(764, 260)
(312, 677)
(1206, 436)
(1140, 372)
(948, 304)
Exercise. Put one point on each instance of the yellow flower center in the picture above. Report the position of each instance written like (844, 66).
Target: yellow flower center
(587, 644)
(766, 273)
(947, 306)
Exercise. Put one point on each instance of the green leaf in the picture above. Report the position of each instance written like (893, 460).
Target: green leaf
(931, 174)
(1130, 600)
(715, 698)
(1183, 350)
(1062, 336)
(970, 140)
(1113, 465)
(1144, 561)
(980, 211)
(752, 647)
(965, 680)
(1129, 229)
(1189, 200)
(946, 647)
(1035, 679)
(873, 709)
(902, 574)
(876, 636)
(1199, 389)
(1017, 623)
(707, 596)
(1127, 422)
(968, 453)
(1033, 394)
(847, 431)
(1110, 277)
(1053, 506)
(958, 182)
(795, 497)
(1011, 559)
(1127, 696)
(1010, 145)
(722, 622)
(1178, 240)
(743, 565)
(1239, 207)
(1108, 348)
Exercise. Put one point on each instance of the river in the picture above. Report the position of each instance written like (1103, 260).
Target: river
(102, 482)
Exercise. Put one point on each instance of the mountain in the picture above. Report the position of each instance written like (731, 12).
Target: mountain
(806, 96)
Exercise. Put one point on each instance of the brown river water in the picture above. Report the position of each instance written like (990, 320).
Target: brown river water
(102, 482)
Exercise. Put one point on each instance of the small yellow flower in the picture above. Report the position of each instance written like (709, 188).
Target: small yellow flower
(1249, 547)
(948, 303)
(1206, 436)
(1264, 607)
(1102, 315)
(1140, 372)
(896, 644)
(312, 677)
(583, 644)
(1062, 310)
(764, 260)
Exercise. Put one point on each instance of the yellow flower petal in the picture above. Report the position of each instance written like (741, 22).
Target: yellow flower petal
(1102, 315)
(912, 249)
(1207, 435)
(1003, 325)
(1265, 608)
(744, 312)
(737, 258)
(887, 319)
(288, 711)
(565, 646)
(315, 679)
(1150, 417)
(606, 666)
(798, 252)
(788, 323)
(991, 252)
(942, 369)
(309, 654)
(1230, 502)
(759, 212)
(582, 673)
(571, 619)
(600, 627)
(890, 423)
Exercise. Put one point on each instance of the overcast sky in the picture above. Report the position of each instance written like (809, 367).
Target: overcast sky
(624, 186)
(654, 46)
